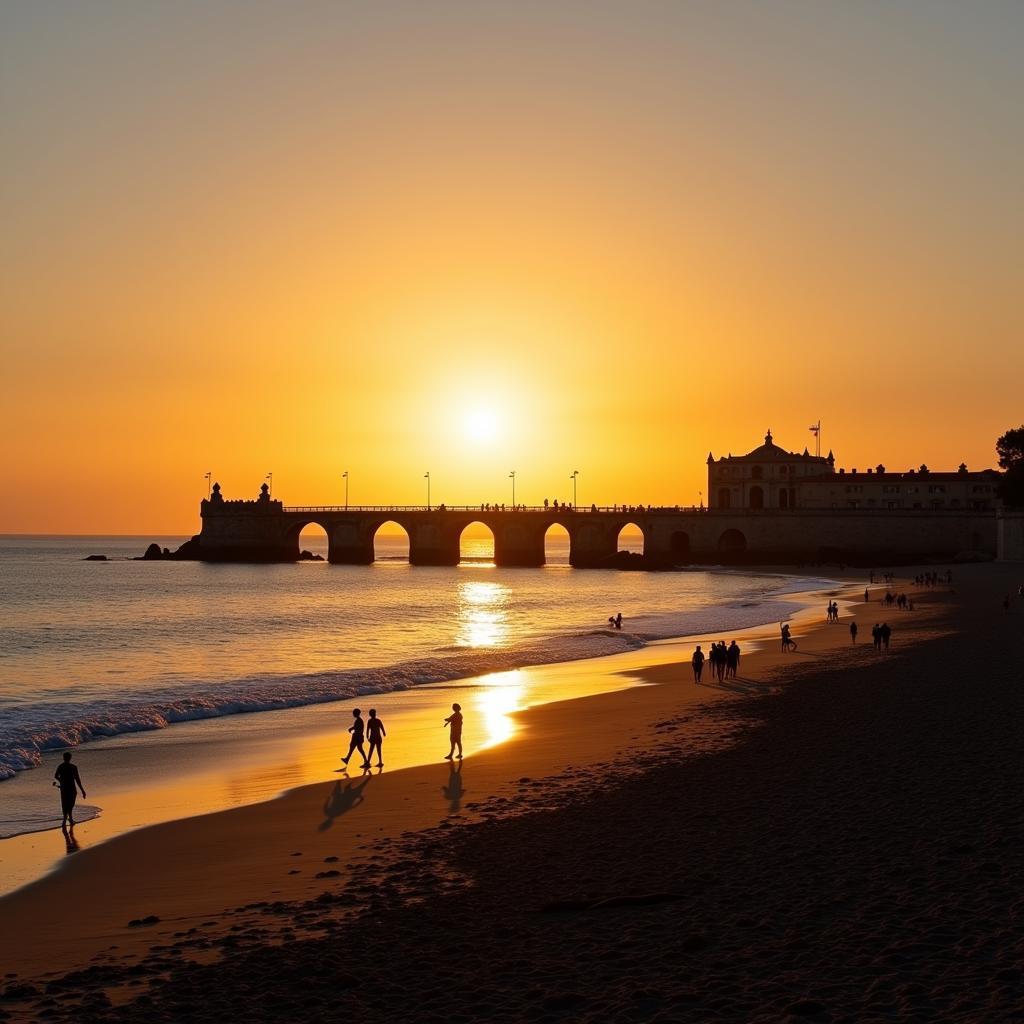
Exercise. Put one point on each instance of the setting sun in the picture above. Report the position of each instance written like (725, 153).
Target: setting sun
(480, 426)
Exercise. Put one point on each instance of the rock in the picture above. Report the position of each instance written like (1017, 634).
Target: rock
(308, 556)
(95, 558)
(153, 552)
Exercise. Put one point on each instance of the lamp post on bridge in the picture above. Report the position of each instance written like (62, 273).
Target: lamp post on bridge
(345, 478)
(575, 474)
(426, 476)
(208, 477)
(512, 476)
(270, 490)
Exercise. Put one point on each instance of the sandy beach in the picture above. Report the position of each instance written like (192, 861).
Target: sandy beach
(836, 836)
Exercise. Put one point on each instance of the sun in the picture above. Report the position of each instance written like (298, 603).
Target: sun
(481, 426)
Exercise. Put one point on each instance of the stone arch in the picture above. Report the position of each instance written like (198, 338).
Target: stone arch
(732, 544)
(630, 537)
(756, 497)
(724, 498)
(310, 537)
(557, 545)
(477, 548)
(391, 545)
(679, 544)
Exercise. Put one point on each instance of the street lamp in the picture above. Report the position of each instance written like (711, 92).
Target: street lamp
(270, 477)
(426, 476)
(345, 477)
(512, 477)
(575, 474)
(701, 493)
(208, 477)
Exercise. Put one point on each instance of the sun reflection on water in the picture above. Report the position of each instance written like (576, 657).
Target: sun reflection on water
(483, 614)
(500, 694)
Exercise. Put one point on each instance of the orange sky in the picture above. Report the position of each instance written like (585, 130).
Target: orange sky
(314, 238)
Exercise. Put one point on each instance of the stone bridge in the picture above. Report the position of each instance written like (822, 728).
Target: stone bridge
(266, 530)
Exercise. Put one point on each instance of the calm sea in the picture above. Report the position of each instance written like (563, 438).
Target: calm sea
(91, 649)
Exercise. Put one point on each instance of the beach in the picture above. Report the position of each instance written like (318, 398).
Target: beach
(836, 836)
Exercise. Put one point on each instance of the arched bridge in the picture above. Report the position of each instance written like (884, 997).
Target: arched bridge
(268, 531)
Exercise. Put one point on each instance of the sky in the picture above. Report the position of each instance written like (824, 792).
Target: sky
(468, 238)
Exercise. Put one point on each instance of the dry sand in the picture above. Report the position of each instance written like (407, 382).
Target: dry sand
(838, 837)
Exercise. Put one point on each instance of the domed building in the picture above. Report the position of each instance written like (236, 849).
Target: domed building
(767, 477)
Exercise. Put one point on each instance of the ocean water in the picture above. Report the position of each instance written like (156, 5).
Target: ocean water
(96, 649)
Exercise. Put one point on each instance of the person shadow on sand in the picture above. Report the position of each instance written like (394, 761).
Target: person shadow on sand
(454, 791)
(71, 844)
(341, 801)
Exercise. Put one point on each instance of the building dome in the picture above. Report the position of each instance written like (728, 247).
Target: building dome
(768, 451)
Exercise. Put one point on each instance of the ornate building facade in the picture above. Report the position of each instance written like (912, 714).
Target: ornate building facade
(769, 477)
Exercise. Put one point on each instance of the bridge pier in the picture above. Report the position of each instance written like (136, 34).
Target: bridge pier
(347, 544)
(591, 544)
(519, 545)
(430, 543)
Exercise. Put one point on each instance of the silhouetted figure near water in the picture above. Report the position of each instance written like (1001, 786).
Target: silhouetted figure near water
(375, 733)
(455, 721)
(788, 643)
(698, 664)
(732, 660)
(67, 779)
(866, 597)
(853, 632)
(618, 621)
(356, 743)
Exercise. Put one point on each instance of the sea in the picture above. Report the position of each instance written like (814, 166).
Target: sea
(95, 649)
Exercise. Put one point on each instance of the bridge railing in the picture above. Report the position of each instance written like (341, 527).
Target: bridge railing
(581, 510)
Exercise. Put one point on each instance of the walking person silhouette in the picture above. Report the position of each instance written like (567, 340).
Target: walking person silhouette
(698, 664)
(375, 733)
(356, 743)
(67, 779)
(455, 721)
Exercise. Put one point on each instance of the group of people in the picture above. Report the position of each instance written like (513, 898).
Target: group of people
(615, 621)
(374, 732)
(832, 612)
(900, 601)
(880, 635)
(722, 661)
(934, 579)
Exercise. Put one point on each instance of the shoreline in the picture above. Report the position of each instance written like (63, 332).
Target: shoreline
(178, 892)
(145, 750)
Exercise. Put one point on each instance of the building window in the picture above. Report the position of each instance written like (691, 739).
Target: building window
(757, 472)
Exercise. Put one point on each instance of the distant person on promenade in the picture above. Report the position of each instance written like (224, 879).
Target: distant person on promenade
(455, 721)
(356, 743)
(697, 661)
(853, 632)
(375, 733)
(67, 779)
(732, 660)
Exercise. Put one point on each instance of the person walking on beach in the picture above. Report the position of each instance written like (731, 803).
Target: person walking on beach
(698, 664)
(884, 631)
(67, 779)
(455, 721)
(788, 643)
(876, 636)
(732, 660)
(375, 733)
(866, 597)
(356, 743)
(853, 632)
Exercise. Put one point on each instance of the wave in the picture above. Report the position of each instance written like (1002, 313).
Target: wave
(30, 731)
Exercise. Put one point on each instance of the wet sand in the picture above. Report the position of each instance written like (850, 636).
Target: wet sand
(836, 837)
